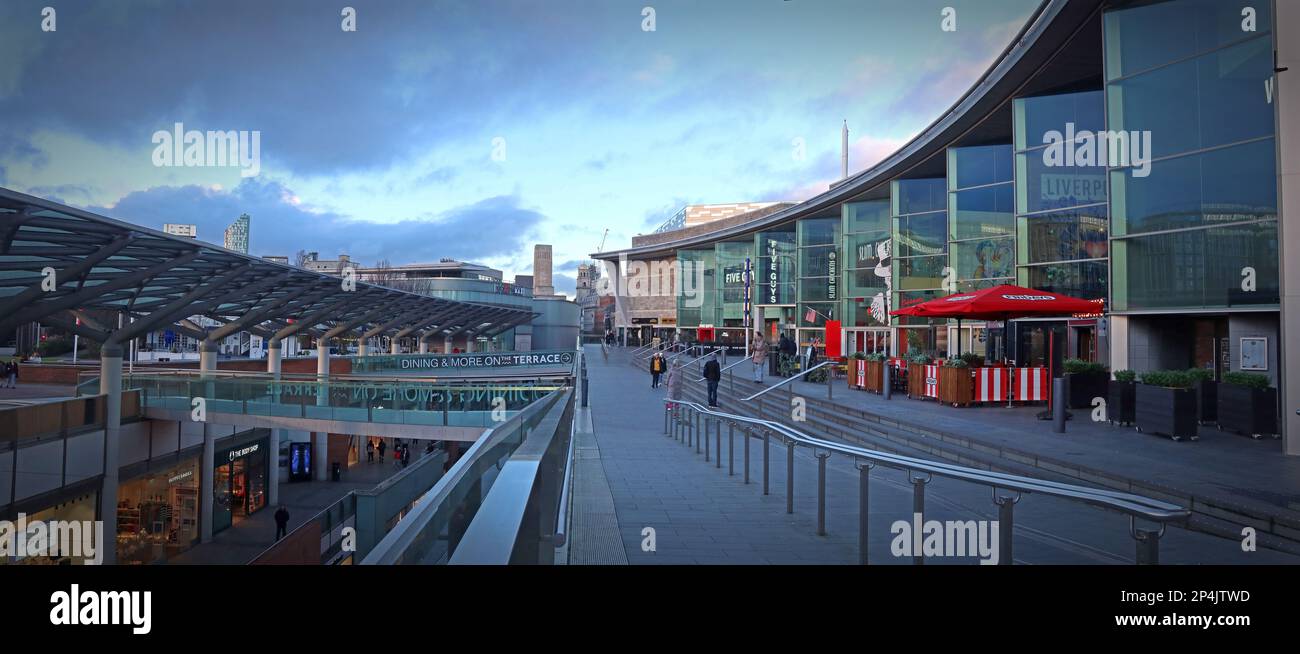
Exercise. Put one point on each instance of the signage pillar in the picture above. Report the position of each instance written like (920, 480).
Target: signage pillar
(207, 470)
(273, 483)
(424, 346)
(322, 399)
(110, 384)
(446, 345)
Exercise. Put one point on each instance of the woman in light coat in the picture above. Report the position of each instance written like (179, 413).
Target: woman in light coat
(675, 373)
(759, 356)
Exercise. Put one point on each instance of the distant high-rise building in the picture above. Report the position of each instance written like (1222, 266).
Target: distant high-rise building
(176, 229)
(237, 235)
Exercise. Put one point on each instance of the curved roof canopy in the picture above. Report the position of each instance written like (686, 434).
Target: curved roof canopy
(81, 271)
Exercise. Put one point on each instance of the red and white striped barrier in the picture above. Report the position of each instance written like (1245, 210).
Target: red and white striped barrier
(1031, 384)
(860, 367)
(992, 384)
(932, 381)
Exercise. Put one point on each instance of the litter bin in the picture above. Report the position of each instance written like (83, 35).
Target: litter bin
(336, 472)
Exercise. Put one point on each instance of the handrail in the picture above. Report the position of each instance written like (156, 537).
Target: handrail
(668, 348)
(715, 351)
(729, 367)
(562, 515)
(787, 381)
(1146, 507)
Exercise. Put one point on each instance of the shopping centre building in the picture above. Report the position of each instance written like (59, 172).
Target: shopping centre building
(1136, 154)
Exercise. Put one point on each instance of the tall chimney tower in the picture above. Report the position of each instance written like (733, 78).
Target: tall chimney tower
(542, 284)
(844, 150)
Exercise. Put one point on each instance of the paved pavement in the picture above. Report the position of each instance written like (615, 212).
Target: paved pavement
(26, 391)
(700, 514)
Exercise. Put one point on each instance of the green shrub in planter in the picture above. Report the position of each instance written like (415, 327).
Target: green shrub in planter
(1079, 366)
(1248, 379)
(858, 356)
(973, 359)
(955, 363)
(1125, 376)
(919, 358)
(876, 356)
(1167, 378)
(1247, 405)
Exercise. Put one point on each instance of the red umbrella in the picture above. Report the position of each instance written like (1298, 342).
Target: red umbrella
(1000, 303)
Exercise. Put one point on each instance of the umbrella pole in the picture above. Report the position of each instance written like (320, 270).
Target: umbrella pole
(959, 338)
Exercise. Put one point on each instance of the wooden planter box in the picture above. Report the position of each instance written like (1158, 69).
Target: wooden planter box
(916, 381)
(1121, 402)
(1207, 401)
(854, 367)
(956, 386)
(875, 376)
(1168, 411)
(1084, 386)
(1246, 410)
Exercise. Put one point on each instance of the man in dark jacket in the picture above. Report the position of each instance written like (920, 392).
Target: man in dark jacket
(281, 522)
(713, 373)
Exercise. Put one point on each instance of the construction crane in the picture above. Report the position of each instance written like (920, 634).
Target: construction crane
(600, 248)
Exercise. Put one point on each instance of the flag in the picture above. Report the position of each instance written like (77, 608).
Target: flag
(810, 316)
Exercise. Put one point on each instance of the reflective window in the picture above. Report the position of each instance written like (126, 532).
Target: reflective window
(1042, 187)
(1082, 279)
(1221, 186)
(1151, 34)
(1036, 116)
(920, 272)
(1063, 235)
(984, 258)
(979, 166)
(919, 195)
(922, 234)
(982, 212)
(867, 216)
(1200, 268)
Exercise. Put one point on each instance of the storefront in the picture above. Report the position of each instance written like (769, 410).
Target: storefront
(239, 481)
(158, 513)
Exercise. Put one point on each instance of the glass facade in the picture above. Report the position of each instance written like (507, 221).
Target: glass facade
(819, 243)
(1061, 212)
(919, 208)
(1190, 224)
(868, 271)
(981, 218)
(730, 275)
(697, 297)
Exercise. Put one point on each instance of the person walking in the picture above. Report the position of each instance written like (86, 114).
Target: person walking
(370, 451)
(656, 369)
(406, 455)
(759, 356)
(810, 356)
(11, 373)
(713, 374)
(4, 374)
(281, 522)
(675, 372)
(382, 446)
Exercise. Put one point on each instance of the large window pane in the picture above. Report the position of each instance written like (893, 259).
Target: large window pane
(776, 274)
(922, 234)
(1042, 187)
(866, 216)
(920, 272)
(1215, 99)
(979, 165)
(1228, 185)
(1063, 236)
(819, 231)
(1197, 268)
(920, 195)
(982, 212)
(984, 258)
(1151, 34)
(1036, 116)
(1081, 279)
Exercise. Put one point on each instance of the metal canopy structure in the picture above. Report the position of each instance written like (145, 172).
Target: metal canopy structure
(112, 281)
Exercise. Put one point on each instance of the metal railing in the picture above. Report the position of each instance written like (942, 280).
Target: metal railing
(729, 367)
(431, 533)
(689, 423)
(792, 378)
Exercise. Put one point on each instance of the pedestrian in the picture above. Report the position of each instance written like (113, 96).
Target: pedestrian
(656, 369)
(810, 356)
(281, 522)
(713, 373)
(370, 451)
(428, 449)
(406, 455)
(759, 356)
(11, 373)
(382, 446)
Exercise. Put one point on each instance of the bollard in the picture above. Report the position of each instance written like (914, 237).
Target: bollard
(707, 429)
(1148, 543)
(887, 390)
(699, 417)
(1058, 405)
(830, 377)
(666, 412)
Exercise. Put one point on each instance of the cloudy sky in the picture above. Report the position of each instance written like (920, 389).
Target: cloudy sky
(471, 128)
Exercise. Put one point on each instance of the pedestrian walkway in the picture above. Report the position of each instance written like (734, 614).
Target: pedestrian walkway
(701, 514)
(247, 538)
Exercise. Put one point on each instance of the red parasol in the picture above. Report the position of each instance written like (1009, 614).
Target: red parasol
(1000, 303)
